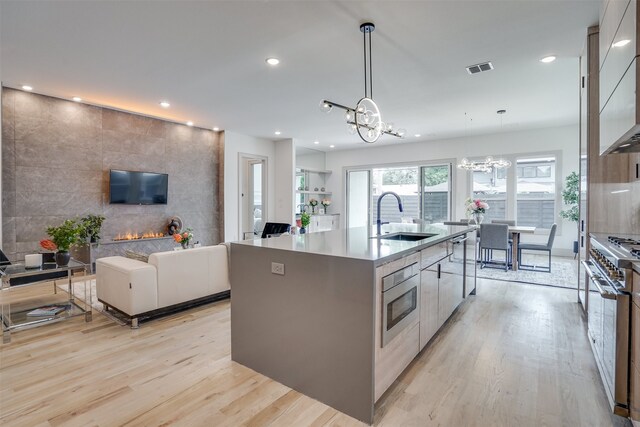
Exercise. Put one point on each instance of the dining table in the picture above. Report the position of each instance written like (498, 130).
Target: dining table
(515, 231)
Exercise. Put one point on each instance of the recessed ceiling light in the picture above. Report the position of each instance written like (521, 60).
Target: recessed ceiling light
(77, 99)
(332, 146)
(548, 59)
(417, 135)
(216, 129)
(272, 61)
(277, 132)
(27, 88)
(165, 104)
(316, 142)
(189, 123)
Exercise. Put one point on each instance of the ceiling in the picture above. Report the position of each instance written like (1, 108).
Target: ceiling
(208, 60)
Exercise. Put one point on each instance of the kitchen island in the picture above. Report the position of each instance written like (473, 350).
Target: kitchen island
(339, 315)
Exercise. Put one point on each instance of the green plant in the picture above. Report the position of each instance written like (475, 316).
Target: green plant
(91, 226)
(305, 219)
(66, 234)
(571, 197)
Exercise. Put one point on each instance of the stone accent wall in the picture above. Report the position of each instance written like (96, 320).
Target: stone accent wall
(56, 157)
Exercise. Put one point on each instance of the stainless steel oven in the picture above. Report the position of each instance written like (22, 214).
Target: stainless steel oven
(400, 301)
(608, 326)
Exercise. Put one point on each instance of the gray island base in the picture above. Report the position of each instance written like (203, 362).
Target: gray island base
(339, 315)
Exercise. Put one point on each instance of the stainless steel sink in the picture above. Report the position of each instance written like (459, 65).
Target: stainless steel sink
(406, 237)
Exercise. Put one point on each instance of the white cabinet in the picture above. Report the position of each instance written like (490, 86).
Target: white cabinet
(619, 114)
(450, 289)
(441, 289)
(428, 306)
(619, 101)
(617, 58)
(324, 223)
(611, 16)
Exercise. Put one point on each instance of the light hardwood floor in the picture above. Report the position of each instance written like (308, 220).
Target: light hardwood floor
(514, 355)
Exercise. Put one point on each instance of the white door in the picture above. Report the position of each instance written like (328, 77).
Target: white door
(253, 207)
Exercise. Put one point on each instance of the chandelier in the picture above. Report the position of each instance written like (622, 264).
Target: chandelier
(365, 118)
(489, 163)
(486, 166)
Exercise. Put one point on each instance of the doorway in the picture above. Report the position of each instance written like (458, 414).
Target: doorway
(253, 195)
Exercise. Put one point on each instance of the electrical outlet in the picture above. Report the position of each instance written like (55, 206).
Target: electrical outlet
(277, 268)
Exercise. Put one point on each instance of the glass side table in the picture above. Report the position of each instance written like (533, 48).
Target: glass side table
(14, 309)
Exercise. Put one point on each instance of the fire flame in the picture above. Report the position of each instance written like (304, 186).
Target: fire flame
(138, 236)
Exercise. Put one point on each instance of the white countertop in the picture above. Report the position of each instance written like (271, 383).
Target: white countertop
(360, 243)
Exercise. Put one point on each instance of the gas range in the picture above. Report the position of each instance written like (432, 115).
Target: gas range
(631, 244)
(622, 251)
(614, 257)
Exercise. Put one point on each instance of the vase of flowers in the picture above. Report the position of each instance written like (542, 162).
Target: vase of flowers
(325, 203)
(313, 203)
(184, 237)
(305, 219)
(62, 238)
(476, 208)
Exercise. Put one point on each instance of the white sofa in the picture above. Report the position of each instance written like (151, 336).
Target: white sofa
(136, 288)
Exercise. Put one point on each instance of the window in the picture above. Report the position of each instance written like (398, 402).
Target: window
(300, 184)
(402, 181)
(525, 192)
(425, 192)
(436, 193)
(536, 192)
(490, 187)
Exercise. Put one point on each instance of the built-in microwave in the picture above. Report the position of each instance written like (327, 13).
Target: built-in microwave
(400, 301)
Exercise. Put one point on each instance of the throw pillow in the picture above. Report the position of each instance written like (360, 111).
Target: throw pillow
(136, 255)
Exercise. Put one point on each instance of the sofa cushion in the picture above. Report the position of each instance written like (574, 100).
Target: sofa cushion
(126, 284)
(190, 274)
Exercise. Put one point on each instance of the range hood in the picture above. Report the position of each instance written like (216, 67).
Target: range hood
(619, 78)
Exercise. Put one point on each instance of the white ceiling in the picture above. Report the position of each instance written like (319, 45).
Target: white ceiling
(208, 60)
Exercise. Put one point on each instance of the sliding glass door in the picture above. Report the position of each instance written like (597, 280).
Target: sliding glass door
(358, 196)
(436, 193)
(404, 181)
(425, 192)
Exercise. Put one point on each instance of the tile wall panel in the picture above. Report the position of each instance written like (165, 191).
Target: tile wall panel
(56, 157)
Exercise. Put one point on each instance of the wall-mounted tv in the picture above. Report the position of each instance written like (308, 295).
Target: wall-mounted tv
(138, 188)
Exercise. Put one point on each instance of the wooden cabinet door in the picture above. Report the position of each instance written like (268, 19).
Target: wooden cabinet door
(634, 366)
(428, 305)
(634, 167)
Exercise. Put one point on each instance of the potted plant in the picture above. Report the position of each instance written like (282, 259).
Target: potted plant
(92, 224)
(325, 203)
(62, 238)
(305, 219)
(571, 198)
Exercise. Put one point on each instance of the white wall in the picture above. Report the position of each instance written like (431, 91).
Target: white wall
(559, 139)
(234, 145)
(311, 161)
(285, 181)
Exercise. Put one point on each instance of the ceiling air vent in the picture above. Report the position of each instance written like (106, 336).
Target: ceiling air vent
(478, 68)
